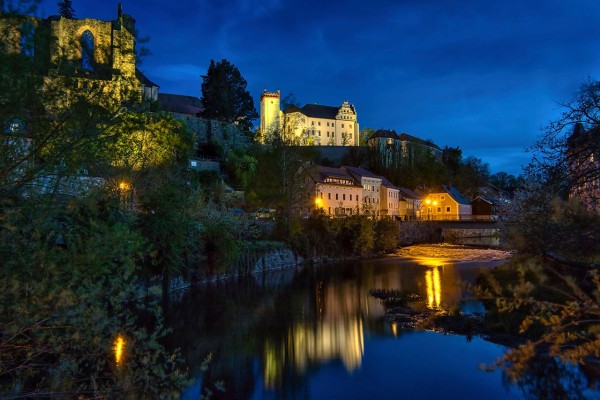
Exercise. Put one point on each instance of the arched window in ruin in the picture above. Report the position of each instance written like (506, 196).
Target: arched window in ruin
(87, 51)
(27, 39)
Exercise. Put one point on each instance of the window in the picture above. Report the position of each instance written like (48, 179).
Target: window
(447, 209)
(344, 196)
(27, 39)
(439, 209)
(328, 196)
(342, 125)
(319, 133)
(87, 51)
(350, 197)
(443, 197)
(319, 123)
(336, 196)
(332, 134)
(321, 194)
(327, 134)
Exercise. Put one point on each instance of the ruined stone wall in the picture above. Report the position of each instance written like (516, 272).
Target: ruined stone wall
(57, 45)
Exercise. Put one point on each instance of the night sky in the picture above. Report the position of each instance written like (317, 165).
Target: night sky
(482, 75)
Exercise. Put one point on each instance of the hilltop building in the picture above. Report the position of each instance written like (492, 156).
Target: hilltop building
(80, 53)
(311, 125)
(392, 145)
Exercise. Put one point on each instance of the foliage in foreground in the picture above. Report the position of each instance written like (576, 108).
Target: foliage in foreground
(69, 288)
(558, 311)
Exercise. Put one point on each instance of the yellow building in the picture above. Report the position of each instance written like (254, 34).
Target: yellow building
(311, 125)
(447, 204)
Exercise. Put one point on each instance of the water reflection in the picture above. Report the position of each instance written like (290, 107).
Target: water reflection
(337, 332)
(119, 348)
(434, 288)
(272, 337)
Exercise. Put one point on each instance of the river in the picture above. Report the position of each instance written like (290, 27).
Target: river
(316, 333)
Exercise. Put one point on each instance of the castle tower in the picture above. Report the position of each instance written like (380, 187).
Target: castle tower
(269, 111)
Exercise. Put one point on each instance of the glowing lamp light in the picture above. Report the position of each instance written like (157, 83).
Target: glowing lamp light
(124, 185)
(428, 201)
(318, 202)
(119, 348)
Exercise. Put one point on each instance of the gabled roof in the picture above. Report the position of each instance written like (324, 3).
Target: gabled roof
(180, 104)
(320, 173)
(144, 79)
(409, 138)
(456, 195)
(315, 111)
(385, 133)
(489, 200)
(409, 194)
(388, 184)
(361, 172)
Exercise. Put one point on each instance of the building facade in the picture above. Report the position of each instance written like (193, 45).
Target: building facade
(311, 125)
(447, 204)
(80, 53)
(333, 190)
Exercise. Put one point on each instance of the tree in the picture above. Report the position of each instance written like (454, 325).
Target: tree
(71, 282)
(224, 95)
(505, 181)
(65, 9)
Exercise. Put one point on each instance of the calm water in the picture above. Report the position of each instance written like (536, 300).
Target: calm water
(316, 333)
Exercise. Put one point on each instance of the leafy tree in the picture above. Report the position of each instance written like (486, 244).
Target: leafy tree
(65, 9)
(72, 280)
(280, 178)
(365, 134)
(224, 95)
(386, 235)
(452, 159)
(505, 181)
(473, 173)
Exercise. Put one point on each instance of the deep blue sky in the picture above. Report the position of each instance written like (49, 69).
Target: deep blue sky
(482, 75)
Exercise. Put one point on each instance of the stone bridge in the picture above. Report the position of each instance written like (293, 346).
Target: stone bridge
(413, 232)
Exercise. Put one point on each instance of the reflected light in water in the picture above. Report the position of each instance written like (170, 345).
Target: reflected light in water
(434, 287)
(119, 347)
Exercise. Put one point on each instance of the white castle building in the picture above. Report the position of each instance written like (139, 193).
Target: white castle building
(311, 125)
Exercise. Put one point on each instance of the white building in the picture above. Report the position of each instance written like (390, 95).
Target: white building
(311, 125)
(334, 191)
